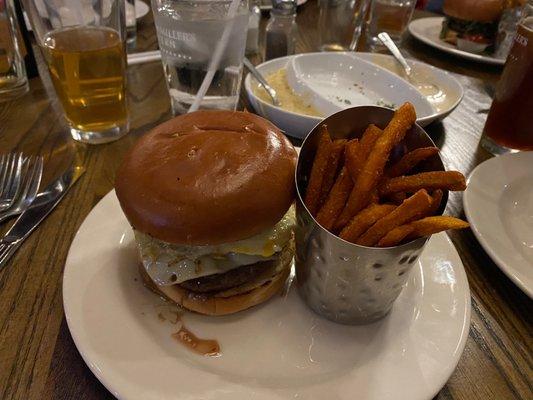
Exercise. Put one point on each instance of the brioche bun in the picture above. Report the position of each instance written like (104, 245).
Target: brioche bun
(208, 177)
(199, 183)
(474, 10)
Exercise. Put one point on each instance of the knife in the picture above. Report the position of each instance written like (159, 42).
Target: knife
(36, 213)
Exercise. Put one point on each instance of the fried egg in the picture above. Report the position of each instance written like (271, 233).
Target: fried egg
(169, 264)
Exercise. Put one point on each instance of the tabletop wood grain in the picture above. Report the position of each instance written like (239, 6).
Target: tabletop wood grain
(38, 359)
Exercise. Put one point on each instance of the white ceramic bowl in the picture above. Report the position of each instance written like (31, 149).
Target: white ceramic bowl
(335, 70)
(422, 72)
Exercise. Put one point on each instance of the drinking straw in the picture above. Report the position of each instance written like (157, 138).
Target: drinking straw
(217, 55)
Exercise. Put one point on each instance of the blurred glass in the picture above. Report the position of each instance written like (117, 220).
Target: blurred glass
(13, 79)
(507, 28)
(252, 37)
(391, 16)
(131, 25)
(340, 24)
(281, 30)
(509, 127)
(83, 43)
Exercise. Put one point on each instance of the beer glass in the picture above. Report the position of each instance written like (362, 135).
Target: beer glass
(13, 79)
(83, 43)
(509, 127)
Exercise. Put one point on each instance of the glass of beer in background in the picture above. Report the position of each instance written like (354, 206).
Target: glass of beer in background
(509, 126)
(13, 79)
(340, 23)
(83, 42)
(391, 16)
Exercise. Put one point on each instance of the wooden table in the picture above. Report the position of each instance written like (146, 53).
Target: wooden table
(38, 359)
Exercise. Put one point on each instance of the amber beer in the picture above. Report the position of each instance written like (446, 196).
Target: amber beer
(391, 16)
(509, 125)
(87, 65)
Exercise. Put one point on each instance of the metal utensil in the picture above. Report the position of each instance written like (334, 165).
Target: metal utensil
(35, 214)
(431, 91)
(144, 57)
(10, 178)
(342, 281)
(389, 44)
(262, 81)
(33, 170)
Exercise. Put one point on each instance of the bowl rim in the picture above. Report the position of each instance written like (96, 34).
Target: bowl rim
(456, 83)
(435, 116)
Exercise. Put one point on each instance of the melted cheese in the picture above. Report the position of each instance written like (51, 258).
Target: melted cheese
(168, 264)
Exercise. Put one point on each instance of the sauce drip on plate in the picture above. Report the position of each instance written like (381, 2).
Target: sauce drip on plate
(205, 347)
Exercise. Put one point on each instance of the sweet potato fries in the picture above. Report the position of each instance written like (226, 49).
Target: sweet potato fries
(355, 192)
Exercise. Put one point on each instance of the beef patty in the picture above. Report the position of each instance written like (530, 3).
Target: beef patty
(232, 278)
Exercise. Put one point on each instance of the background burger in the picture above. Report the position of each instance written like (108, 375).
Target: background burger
(209, 197)
(471, 24)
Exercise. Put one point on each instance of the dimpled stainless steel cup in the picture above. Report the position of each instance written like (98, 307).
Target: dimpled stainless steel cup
(342, 281)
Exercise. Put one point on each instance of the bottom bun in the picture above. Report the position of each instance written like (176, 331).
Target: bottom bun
(215, 304)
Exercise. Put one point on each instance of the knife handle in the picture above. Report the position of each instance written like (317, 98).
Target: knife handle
(7, 249)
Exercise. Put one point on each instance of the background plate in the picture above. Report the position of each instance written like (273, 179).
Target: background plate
(427, 30)
(266, 5)
(498, 203)
(141, 9)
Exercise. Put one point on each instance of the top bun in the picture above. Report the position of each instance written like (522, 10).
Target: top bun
(208, 177)
(474, 10)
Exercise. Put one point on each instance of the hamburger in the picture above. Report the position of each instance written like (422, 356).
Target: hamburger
(472, 25)
(209, 196)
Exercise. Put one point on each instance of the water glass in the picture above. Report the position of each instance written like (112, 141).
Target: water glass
(339, 24)
(83, 43)
(391, 16)
(189, 35)
(13, 79)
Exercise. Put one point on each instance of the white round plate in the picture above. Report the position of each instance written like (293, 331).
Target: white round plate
(279, 350)
(141, 9)
(266, 5)
(498, 203)
(333, 75)
(427, 30)
(444, 100)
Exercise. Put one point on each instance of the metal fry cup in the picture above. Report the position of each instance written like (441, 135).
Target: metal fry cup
(339, 280)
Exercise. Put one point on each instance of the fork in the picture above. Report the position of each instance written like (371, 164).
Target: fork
(29, 188)
(10, 178)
